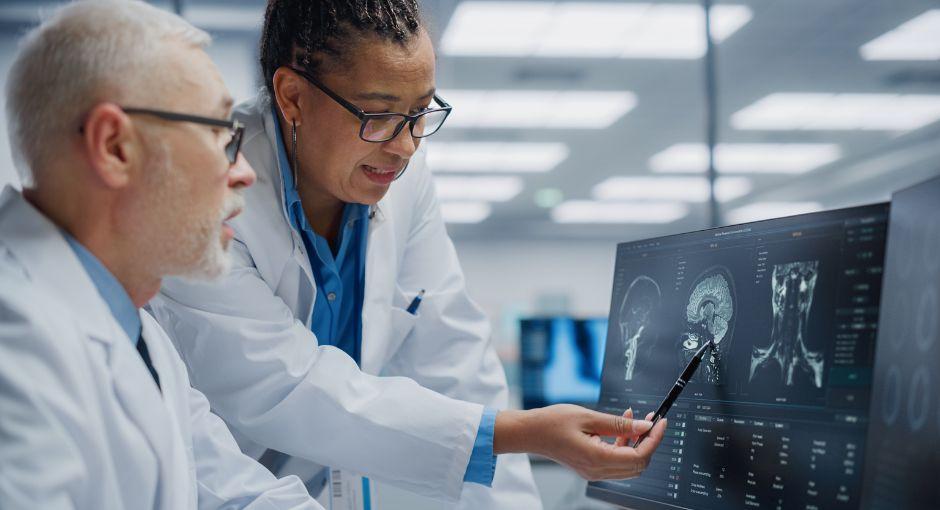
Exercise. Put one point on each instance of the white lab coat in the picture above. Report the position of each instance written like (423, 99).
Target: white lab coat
(82, 424)
(249, 348)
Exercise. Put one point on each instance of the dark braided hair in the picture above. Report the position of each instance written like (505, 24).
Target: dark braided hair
(301, 32)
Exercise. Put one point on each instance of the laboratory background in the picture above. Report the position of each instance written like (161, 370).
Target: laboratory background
(580, 125)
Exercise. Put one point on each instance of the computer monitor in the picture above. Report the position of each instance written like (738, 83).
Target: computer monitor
(561, 360)
(776, 416)
(903, 468)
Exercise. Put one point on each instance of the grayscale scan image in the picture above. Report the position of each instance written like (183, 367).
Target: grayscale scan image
(787, 358)
(637, 317)
(709, 316)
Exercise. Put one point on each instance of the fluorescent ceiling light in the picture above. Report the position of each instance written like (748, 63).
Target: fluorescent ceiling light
(587, 29)
(813, 111)
(490, 189)
(767, 210)
(754, 158)
(495, 156)
(917, 39)
(537, 108)
(688, 189)
(227, 17)
(585, 211)
(465, 212)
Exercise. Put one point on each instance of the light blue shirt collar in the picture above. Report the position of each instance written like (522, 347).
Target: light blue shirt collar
(110, 289)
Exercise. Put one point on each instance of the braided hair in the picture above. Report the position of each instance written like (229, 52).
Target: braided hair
(302, 32)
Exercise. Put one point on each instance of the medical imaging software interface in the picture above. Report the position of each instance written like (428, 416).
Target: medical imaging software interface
(776, 416)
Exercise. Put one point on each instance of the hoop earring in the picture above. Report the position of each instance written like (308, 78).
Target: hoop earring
(293, 150)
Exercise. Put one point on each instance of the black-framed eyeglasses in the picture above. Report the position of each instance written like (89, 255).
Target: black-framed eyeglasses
(237, 128)
(382, 127)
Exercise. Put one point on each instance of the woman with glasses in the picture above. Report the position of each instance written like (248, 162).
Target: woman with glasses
(344, 276)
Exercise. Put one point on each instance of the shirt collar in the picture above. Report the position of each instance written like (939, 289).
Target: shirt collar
(110, 289)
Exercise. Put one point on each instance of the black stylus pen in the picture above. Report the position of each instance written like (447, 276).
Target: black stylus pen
(677, 388)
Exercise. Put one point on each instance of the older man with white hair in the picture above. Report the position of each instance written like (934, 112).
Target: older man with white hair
(130, 167)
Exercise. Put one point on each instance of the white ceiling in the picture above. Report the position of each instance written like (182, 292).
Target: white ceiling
(798, 46)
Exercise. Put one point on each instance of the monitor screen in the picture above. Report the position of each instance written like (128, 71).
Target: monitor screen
(903, 468)
(776, 416)
(561, 360)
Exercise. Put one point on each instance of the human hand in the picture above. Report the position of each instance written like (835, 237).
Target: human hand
(572, 435)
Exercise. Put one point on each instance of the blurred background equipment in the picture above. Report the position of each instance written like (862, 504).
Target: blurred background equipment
(560, 360)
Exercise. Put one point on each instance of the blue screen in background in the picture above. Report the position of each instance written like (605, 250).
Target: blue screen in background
(562, 358)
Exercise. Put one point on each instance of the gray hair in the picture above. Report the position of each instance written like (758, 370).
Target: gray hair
(84, 53)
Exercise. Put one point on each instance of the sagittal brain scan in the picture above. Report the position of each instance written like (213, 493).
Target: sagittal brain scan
(787, 358)
(637, 313)
(709, 315)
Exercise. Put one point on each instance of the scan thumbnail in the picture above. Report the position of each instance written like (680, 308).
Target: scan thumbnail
(787, 359)
(637, 314)
(709, 314)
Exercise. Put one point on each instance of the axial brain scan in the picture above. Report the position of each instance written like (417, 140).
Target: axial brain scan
(787, 359)
(637, 313)
(709, 317)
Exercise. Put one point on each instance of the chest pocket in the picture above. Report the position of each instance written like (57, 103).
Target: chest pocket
(401, 323)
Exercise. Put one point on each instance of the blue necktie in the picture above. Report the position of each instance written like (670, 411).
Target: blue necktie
(145, 354)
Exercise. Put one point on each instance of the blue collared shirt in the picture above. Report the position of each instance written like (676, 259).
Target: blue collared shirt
(110, 289)
(340, 279)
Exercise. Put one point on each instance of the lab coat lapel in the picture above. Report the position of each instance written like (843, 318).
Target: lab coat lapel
(145, 406)
(177, 468)
(376, 300)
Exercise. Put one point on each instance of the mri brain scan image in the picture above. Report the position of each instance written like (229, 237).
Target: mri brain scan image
(709, 317)
(788, 359)
(637, 312)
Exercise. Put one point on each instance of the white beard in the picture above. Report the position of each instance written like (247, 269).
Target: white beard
(214, 259)
(188, 245)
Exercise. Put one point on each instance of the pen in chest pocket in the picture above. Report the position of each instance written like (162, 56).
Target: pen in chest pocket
(415, 303)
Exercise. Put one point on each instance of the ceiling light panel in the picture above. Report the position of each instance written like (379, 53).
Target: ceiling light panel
(746, 158)
(495, 156)
(917, 39)
(814, 111)
(228, 17)
(687, 189)
(465, 212)
(586, 211)
(587, 29)
(767, 210)
(537, 109)
(489, 189)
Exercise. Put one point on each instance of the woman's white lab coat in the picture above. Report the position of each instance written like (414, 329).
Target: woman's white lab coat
(248, 345)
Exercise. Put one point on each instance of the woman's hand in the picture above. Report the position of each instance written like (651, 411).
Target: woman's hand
(572, 435)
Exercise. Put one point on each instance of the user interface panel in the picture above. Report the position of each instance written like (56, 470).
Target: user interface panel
(776, 416)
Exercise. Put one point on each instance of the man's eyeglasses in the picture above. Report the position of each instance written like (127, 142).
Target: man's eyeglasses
(382, 127)
(237, 128)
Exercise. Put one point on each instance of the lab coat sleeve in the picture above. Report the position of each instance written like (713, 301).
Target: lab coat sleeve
(265, 375)
(449, 349)
(46, 457)
(229, 479)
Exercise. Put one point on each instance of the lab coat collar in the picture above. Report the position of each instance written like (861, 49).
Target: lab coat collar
(282, 160)
(50, 262)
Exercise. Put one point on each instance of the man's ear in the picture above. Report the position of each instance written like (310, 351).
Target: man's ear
(288, 86)
(111, 146)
